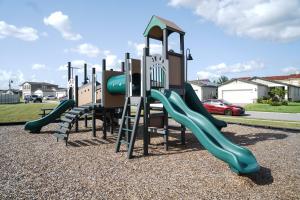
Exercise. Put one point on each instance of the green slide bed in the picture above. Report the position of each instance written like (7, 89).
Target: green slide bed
(36, 125)
(239, 159)
(195, 104)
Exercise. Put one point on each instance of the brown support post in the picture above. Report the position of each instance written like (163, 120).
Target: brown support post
(165, 43)
(184, 79)
(104, 123)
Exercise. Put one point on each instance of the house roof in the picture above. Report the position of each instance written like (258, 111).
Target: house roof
(245, 81)
(38, 83)
(203, 83)
(272, 81)
(157, 24)
(284, 77)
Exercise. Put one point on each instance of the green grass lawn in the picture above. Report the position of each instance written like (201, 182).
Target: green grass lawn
(261, 122)
(22, 112)
(291, 108)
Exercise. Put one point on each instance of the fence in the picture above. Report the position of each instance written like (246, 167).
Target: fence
(9, 98)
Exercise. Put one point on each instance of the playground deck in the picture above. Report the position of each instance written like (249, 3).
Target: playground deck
(35, 166)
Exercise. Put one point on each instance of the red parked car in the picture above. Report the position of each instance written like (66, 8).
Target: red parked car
(218, 106)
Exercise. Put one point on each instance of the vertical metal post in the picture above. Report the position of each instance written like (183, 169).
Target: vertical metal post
(146, 106)
(104, 124)
(122, 67)
(94, 122)
(94, 101)
(184, 72)
(85, 74)
(147, 43)
(94, 85)
(165, 44)
(70, 94)
(76, 100)
(166, 128)
(85, 121)
(127, 95)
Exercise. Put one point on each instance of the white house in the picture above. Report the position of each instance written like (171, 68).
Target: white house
(293, 91)
(61, 92)
(38, 88)
(243, 91)
(204, 89)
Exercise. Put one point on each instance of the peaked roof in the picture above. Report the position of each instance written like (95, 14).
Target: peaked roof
(272, 81)
(283, 77)
(245, 81)
(203, 83)
(38, 83)
(156, 24)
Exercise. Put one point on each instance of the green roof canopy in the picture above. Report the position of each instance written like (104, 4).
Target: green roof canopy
(157, 24)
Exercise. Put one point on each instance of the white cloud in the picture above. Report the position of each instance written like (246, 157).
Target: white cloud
(38, 66)
(24, 33)
(215, 71)
(262, 19)
(207, 75)
(75, 63)
(87, 50)
(62, 23)
(291, 70)
(111, 60)
(17, 78)
(154, 48)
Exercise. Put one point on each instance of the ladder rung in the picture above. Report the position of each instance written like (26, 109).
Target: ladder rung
(124, 142)
(66, 120)
(125, 129)
(59, 135)
(130, 117)
(66, 125)
(70, 116)
(74, 112)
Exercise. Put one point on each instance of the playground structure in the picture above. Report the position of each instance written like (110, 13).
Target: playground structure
(125, 97)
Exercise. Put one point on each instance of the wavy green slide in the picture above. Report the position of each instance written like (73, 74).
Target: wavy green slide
(195, 104)
(239, 159)
(36, 125)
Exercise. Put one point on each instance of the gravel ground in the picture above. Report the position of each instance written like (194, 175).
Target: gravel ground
(35, 166)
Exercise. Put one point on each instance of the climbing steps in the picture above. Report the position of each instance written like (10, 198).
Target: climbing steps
(69, 120)
(129, 124)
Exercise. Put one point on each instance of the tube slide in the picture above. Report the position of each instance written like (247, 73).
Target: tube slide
(194, 103)
(239, 159)
(36, 125)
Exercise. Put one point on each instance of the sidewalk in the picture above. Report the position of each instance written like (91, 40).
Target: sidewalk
(273, 115)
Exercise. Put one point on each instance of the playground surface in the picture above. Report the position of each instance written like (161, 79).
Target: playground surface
(35, 166)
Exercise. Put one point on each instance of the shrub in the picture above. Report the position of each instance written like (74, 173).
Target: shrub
(275, 103)
(265, 98)
(285, 103)
(268, 101)
(259, 100)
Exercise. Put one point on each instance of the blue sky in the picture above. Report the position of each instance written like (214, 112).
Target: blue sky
(233, 38)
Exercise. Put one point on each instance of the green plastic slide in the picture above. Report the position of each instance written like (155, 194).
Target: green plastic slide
(195, 104)
(36, 125)
(239, 159)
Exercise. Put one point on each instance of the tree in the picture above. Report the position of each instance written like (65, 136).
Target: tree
(222, 80)
(277, 92)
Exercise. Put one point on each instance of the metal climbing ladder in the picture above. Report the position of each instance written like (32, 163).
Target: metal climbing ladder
(128, 128)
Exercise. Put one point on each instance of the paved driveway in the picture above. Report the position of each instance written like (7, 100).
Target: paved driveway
(273, 115)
